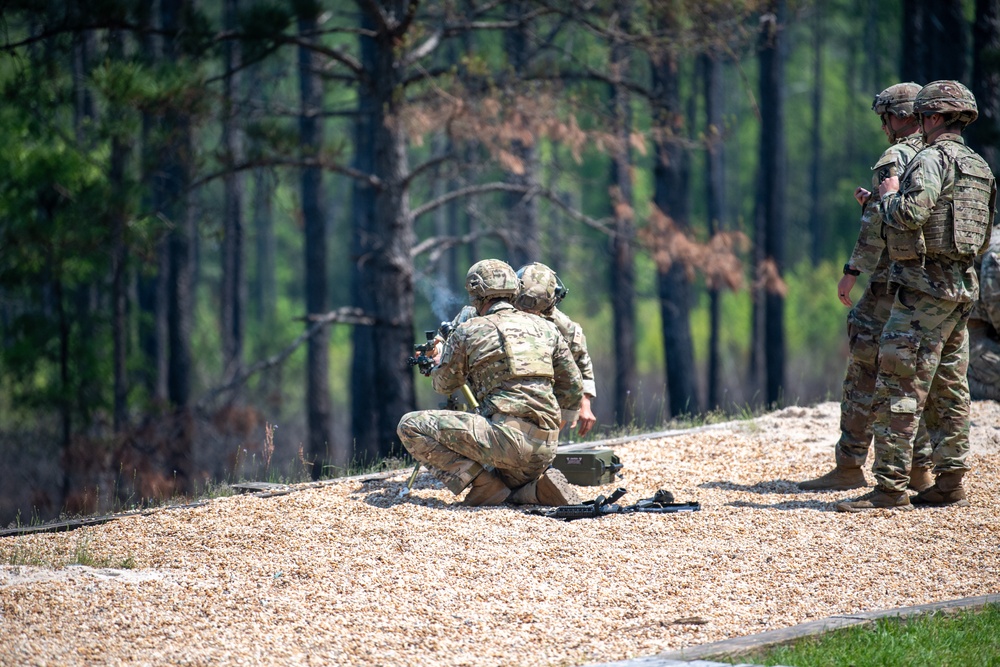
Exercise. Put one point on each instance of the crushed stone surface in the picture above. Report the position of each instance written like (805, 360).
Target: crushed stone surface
(352, 574)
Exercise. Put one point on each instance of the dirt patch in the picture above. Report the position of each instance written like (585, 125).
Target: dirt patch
(351, 574)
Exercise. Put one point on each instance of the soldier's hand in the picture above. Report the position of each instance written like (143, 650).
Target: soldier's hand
(862, 196)
(844, 288)
(587, 419)
(888, 186)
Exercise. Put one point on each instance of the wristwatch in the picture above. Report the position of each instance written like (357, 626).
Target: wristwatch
(848, 271)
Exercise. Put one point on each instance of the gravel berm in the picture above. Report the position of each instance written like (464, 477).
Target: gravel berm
(352, 574)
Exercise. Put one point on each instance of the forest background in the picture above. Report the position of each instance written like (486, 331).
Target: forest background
(225, 223)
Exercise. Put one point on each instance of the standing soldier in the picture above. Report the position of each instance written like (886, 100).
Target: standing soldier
(541, 293)
(935, 226)
(527, 385)
(865, 321)
(984, 328)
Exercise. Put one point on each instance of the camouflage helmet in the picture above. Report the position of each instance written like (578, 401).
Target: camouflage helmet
(947, 97)
(541, 288)
(897, 100)
(491, 278)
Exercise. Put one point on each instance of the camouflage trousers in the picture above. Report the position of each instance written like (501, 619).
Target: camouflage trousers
(984, 361)
(457, 446)
(923, 360)
(864, 328)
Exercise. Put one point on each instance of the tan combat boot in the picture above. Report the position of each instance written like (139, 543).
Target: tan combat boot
(554, 489)
(487, 489)
(947, 490)
(875, 499)
(550, 489)
(841, 478)
(920, 479)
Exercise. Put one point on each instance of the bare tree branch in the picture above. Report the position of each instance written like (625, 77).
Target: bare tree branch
(435, 246)
(423, 50)
(528, 190)
(371, 179)
(345, 315)
(336, 55)
(466, 192)
(426, 166)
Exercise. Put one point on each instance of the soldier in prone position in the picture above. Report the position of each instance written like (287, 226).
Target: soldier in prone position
(527, 384)
(894, 105)
(937, 218)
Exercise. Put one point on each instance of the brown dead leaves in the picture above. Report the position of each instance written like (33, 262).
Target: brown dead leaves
(718, 259)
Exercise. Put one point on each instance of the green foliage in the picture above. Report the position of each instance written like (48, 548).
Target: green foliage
(263, 24)
(963, 639)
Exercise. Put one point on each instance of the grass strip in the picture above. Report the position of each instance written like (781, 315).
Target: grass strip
(968, 638)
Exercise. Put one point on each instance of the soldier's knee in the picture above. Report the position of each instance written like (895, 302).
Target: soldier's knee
(408, 425)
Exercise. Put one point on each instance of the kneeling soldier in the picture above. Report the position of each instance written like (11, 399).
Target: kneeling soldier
(522, 373)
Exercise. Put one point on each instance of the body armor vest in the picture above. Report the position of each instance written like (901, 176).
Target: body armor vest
(957, 227)
(520, 355)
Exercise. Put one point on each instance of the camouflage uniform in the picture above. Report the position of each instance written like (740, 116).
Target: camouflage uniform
(521, 372)
(984, 328)
(571, 332)
(935, 225)
(866, 319)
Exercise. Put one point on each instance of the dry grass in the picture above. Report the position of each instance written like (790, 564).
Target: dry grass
(349, 574)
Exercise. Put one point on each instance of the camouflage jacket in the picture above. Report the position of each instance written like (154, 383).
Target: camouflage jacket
(571, 332)
(869, 254)
(987, 308)
(928, 176)
(477, 346)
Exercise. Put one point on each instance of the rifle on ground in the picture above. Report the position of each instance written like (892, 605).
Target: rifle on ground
(661, 503)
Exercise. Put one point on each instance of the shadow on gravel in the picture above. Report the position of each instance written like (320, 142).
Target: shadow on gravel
(818, 505)
(381, 493)
(782, 486)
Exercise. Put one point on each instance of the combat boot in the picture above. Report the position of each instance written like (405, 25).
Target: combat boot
(487, 489)
(875, 499)
(920, 479)
(554, 489)
(947, 490)
(550, 489)
(841, 478)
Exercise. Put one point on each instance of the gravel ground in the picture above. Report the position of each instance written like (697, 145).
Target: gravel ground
(349, 574)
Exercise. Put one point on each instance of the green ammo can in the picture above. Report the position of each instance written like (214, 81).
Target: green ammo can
(587, 467)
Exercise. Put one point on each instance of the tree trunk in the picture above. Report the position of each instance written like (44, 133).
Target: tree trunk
(946, 33)
(914, 52)
(815, 187)
(152, 283)
(120, 150)
(670, 176)
(364, 399)
(383, 249)
(176, 167)
(984, 134)
(314, 220)
(233, 298)
(769, 212)
(623, 254)
(932, 31)
(715, 193)
(522, 209)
